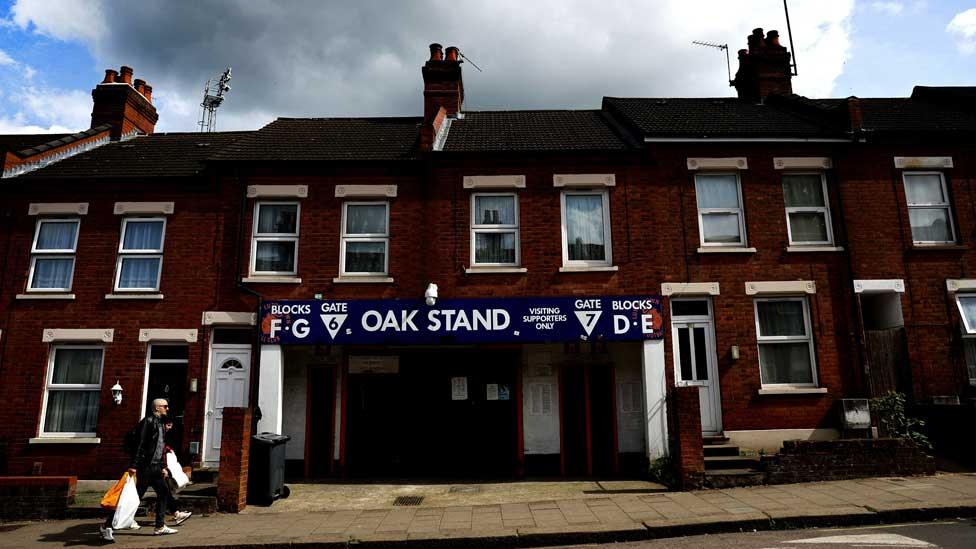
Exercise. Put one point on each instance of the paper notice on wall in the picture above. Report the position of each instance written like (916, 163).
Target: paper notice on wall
(504, 392)
(491, 391)
(540, 399)
(459, 388)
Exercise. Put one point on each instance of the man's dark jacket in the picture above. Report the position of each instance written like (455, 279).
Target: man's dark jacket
(149, 428)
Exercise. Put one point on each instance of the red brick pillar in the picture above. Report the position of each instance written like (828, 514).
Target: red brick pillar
(687, 449)
(235, 449)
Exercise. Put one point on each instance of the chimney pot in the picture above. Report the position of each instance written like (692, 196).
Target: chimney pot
(452, 53)
(125, 74)
(139, 84)
(110, 76)
(147, 92)
(772, 38)
(436, 52)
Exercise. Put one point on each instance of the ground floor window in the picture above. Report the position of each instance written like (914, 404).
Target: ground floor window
(970, 345)
(74, 381)
(786, 355)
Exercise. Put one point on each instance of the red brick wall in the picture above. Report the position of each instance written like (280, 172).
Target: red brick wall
(684, 413)
(654, 236)
(198, 254)
(235, 449)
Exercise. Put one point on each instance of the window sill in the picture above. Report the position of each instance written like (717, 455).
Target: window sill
(153, 296)
(270, 279)
(726, 250)
(938, 247)
(607, 269)
(794, 391)
(348, 279)
(495, 270)
(64, 440)
(815, 249)
(45, 296)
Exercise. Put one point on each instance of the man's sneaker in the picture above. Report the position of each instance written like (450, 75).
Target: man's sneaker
(134, 526)
(180, 517)
(106, 533)
(164, 530)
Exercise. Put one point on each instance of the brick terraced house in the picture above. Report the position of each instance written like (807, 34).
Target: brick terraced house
(489, 293)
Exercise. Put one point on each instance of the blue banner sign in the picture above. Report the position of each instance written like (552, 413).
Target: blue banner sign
(502, 320)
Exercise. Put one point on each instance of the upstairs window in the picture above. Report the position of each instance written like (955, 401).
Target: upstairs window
(720, 219)
(53, 255)
(74, 380)
(807, 210)
(140, 258)
(494, 229)
(274, 245)
(586, 228)
(785, 342)
(365, 238)
(928, 208)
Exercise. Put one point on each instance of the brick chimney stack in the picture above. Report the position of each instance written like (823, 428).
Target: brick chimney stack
(123, 103)
(443, 91)
(764, 68)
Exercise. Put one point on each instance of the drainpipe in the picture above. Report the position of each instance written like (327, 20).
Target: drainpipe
(255, 343)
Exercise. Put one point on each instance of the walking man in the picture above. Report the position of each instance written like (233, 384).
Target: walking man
(146, 462)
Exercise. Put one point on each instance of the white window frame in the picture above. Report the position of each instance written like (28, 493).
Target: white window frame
(153, 253)
(947, 206)
(739, 212)
(608, 245)
(257, 237)
(708, 320)
(968, 332)
(53, 254)
(48, 386)
(477, 228)
(825, 210)
(364, 237)
(772, 340)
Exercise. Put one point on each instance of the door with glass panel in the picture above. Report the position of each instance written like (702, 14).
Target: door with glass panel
(695, 362)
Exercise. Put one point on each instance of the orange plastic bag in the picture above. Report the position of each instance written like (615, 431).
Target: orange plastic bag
(111, 498)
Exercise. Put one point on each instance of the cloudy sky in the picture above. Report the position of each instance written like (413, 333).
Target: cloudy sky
(363, 58)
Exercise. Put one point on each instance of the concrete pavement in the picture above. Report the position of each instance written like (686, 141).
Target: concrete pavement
(627, 516)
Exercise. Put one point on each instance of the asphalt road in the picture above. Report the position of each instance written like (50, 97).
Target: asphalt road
(949, 534)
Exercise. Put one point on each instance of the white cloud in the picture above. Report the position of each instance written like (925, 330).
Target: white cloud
(366, 56)
(51, 107)
(5, 59)
(62, 19)
(890, 8)
(963, 29)
(17, 125)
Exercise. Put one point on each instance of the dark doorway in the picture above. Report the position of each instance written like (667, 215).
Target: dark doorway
(167, 379)
(588, 418)
(446, 413)
(572, 400)
(320, 421)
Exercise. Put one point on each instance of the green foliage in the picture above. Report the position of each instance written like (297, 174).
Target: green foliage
(663, 471)
(894, 421)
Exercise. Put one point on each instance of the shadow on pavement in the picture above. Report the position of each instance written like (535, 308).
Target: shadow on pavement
(85, 535)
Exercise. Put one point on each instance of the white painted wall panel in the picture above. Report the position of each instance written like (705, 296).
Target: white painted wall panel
(540, 400)
(293, 406)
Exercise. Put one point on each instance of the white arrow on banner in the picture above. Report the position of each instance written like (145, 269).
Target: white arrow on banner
(333, 323)
(588, 319)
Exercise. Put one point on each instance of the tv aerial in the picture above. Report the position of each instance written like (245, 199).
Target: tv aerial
(725, 47)
(213, 97)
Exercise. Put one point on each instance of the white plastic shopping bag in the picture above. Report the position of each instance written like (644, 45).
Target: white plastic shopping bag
(125, 513)
(176, 471)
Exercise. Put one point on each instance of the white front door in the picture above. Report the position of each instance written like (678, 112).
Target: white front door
(230, 374)
(695, 361)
